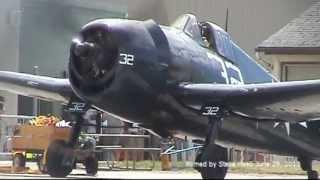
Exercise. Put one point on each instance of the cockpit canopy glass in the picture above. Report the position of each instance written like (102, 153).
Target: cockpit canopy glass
(188, 23)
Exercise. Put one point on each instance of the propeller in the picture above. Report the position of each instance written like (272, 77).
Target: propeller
(94, 54)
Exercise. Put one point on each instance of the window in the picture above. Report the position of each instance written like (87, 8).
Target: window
(188, 23)
(180, 22)
(2, 101)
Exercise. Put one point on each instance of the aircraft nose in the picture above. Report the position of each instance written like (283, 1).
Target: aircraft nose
(93, 56)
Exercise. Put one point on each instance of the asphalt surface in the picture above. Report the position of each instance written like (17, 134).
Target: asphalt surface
(80, 174)
(107, 174)
(147, 175)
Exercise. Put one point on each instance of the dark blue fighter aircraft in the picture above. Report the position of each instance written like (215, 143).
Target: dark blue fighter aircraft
(186, 79)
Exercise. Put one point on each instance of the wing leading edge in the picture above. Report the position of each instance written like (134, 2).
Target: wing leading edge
(42, 87)
(287, 101)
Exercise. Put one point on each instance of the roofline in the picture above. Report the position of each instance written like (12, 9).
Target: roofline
(288, 50)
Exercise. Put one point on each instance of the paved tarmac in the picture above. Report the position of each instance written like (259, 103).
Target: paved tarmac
(146, 175)
(107, 174)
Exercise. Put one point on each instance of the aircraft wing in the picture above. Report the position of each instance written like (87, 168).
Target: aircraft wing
(42, 87)
(294, 101)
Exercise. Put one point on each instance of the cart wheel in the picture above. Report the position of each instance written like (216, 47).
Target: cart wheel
(42, 167)
(19, 161)
(60, 159)
(91, 164)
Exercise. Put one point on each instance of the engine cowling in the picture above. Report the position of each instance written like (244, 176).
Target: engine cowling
(93, 56)
(121, 66)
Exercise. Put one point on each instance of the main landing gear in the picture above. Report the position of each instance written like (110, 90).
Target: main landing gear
(62, 156)
(306, 165)
(211, 161)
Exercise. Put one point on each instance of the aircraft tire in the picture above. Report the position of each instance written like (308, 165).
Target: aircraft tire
(91, 164)
(312, 174)
(57, 152)
(213, 161)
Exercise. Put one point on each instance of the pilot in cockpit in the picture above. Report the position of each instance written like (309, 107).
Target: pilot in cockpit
(205, 35)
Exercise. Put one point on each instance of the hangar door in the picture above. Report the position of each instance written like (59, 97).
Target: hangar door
(300, 71)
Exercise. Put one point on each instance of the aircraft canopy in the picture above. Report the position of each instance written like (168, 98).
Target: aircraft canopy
(188, 23)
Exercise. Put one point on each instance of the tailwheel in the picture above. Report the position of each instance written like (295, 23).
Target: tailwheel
(60, 159)
(91, 165)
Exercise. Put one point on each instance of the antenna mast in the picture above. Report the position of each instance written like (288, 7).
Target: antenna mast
(227, 20)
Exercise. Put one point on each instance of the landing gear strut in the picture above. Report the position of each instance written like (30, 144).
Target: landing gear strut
(61, 155)
(211, 161)
(306, 165)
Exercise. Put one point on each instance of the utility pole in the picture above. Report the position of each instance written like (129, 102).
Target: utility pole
(35, 100)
